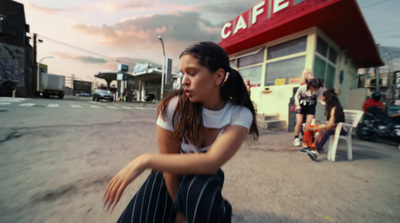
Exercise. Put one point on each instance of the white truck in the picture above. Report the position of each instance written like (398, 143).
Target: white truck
(52, 84)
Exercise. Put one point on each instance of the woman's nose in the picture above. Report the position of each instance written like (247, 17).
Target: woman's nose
(185, 80)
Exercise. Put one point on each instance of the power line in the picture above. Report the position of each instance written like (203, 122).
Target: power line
(82, 49)
(72, 46)
(373, 4)
(383, 28)
(386, 31)
(383, 18)
(385, 11)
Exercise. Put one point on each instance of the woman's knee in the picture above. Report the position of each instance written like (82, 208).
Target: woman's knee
(200, 195)
(194, 186)
(150, 202)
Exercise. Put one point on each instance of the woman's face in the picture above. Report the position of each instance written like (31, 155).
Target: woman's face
(313, 89)
(308, 76)
(323, 98)
(199, 84)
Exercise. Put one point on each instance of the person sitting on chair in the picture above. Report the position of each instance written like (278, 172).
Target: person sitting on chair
(375, 100)
(334, 114)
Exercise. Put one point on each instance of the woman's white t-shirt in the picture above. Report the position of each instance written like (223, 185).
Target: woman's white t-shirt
(231, 114)
(304, 96)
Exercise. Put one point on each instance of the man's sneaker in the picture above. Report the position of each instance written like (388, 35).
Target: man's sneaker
(313, 154)
(296, 142)
(304, 150)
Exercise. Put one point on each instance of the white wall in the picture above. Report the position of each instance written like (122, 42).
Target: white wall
(275, 101)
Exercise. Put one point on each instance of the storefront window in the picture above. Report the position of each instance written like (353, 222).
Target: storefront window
(233, 63)
(330, 76)
(287, 48)
(324, 70)
(332, 55)
(319, 67)
(252, 73)
(322, 47)
(284, 69)
(251, 59)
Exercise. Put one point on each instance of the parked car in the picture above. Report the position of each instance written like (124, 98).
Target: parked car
(149, 97)
(83, 95)
(102, 94)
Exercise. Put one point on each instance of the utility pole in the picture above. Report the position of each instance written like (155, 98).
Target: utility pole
(72, 80)
(34, 66)
(163, 69)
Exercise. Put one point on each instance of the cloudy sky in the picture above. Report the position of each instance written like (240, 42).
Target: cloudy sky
(86, 36)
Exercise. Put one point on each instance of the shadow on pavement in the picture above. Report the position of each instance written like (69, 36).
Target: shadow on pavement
(364, 150)
(260, 217)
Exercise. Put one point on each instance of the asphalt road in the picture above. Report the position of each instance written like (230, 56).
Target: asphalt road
(54, 151)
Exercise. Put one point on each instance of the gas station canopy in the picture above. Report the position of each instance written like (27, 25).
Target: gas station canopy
(109, 75)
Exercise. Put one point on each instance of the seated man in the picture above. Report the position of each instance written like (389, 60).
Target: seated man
(375, 100)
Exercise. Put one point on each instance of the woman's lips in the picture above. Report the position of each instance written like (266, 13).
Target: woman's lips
(187, 93)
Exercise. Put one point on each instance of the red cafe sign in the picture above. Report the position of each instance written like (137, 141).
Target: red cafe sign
(259, 12)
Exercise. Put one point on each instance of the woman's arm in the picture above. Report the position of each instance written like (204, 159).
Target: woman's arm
(224, 147)
(331, 123)
(166, 145)
(319, 97)
(227, 144)
(296, 96)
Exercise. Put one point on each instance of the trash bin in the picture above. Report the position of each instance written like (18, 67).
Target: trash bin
(292, 112)
(292, 116)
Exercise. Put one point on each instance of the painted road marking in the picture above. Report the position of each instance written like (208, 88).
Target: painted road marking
(97, 106)
(6, 99)
(27, 104)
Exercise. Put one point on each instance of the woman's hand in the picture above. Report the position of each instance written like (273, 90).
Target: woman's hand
(306, 129)
(122, 179)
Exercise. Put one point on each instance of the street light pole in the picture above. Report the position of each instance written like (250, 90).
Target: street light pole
(94, 82)
(38, 72)
(163, 69)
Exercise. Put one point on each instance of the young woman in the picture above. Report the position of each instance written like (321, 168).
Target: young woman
(306, 76)
(306, 99)
(199, 129)
(334, 114)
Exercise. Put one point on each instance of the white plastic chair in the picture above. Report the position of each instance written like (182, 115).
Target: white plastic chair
(352, 118)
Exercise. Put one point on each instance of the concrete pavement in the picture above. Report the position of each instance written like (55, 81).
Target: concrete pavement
(269, 181)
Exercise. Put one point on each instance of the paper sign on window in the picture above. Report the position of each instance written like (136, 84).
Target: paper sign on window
(294, 80)
(280, 81)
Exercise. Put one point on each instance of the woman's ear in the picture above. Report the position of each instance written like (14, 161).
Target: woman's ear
(219, 76)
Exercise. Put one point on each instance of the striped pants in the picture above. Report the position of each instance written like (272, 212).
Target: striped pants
(199, 199)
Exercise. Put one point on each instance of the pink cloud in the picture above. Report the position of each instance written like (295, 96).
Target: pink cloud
(84, 59)
(44, 9)
(48, 10)
(112, 6)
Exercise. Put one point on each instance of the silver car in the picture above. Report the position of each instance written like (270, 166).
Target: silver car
(102, 94)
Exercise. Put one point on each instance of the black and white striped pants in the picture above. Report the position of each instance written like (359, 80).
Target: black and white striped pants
(199, 199)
